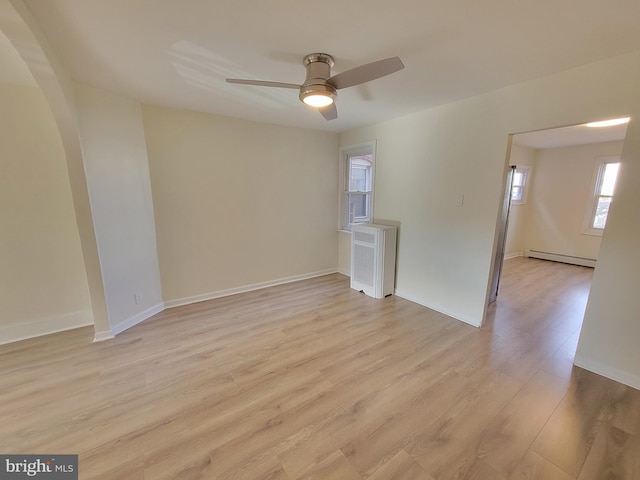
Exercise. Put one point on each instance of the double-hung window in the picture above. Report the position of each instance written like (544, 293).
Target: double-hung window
(520, 185)
(604, 183)
(357, 184)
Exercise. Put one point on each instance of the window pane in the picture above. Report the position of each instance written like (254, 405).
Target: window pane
(358, 182)
(518, 179)
(602, 210)
(360, 173)
(358, 208)
(516, 193)
(609, 178)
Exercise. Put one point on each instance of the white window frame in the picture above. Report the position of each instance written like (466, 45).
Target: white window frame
(594, 194)
(365, 148)
(525, 170)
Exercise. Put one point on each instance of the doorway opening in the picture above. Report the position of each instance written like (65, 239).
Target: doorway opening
(557, 205)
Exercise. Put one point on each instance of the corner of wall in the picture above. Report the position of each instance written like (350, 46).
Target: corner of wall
(607, 371)
(438, 308)
(137, 318)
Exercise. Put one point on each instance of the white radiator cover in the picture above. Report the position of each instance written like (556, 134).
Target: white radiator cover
(373, 259)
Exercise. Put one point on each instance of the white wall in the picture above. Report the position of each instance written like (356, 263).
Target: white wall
(610, 337)
(239, 204)
(117, 171)
(558, 199)
(424, 160)
(43, 286)
(518, 214)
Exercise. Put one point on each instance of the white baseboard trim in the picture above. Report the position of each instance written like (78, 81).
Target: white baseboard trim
(247, 288)
(45, 326)
(608, 371)
(136, 319)
(103, 336)
(437, 308)
(14, 333)
(507, 256)
(559, 257)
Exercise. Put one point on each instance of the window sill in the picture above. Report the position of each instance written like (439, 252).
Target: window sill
(593, 233)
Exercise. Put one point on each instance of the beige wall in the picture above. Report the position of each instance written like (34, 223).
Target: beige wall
(558, 199)
(423, 162)
(515, 243)
(24, 33)
(43, 286)
(117, 172)
(344, 252)
(238, 203)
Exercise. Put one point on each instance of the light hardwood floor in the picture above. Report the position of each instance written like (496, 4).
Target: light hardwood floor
(313, 380)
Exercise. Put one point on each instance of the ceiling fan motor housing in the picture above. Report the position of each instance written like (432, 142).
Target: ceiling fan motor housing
(318, 67)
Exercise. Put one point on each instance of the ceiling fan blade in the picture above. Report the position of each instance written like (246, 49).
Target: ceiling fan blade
(330, 112)
(261, 83)
(366, 73)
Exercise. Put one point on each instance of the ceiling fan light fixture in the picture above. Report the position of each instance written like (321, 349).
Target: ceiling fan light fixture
(318, 95)
(318, 100)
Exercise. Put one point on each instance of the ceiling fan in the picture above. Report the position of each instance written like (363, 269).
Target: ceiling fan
(320, 88)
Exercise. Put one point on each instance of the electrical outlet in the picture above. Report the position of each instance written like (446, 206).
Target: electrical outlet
(459, 199)
(137, 297)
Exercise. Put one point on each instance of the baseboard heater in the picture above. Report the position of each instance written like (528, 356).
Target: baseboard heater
(559, 257)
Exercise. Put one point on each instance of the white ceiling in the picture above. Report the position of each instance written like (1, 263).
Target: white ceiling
(178, 53)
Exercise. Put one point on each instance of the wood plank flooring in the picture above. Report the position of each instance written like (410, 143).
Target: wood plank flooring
(313, 380)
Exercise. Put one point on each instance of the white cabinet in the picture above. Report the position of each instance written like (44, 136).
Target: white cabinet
(373, 259)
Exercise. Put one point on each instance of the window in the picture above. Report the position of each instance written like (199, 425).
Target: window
(605, 176)
(358, 202)
(357, 184)
(519, 186)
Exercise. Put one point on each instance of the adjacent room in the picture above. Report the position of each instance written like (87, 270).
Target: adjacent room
(176, 241)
